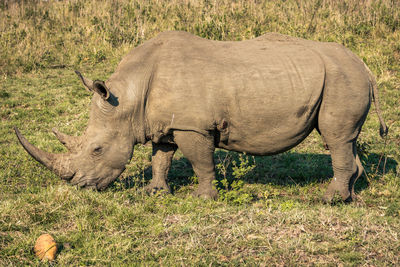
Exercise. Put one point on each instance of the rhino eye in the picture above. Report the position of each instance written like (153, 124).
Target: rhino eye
(97, 151)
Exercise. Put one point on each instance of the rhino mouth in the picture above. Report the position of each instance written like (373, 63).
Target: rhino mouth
(84, 182)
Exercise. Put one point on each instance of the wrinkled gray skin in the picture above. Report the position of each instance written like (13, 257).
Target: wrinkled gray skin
(262, 97)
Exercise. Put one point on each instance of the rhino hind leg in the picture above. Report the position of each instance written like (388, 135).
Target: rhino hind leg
(199, 150)
(341, 139)
(161, 163)
(323, 141)
(360, 170)
(340, 129)
(346, 172)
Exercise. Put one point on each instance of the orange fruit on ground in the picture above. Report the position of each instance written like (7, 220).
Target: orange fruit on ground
(46, 247)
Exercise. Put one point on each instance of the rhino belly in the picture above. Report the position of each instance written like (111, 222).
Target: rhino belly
(278, 107)
(261, 136)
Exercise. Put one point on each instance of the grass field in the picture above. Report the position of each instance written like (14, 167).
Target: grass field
(271, 216)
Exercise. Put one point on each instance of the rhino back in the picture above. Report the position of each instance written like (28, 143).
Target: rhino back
(265, 92)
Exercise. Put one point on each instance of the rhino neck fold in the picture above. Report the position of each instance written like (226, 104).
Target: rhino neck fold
(139, 122)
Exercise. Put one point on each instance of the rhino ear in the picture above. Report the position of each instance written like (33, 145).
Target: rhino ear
(96, 86)
(101, 88)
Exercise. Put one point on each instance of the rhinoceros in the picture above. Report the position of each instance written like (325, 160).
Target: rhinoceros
(261, 96)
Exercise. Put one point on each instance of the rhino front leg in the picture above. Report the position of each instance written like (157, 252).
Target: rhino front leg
(199, 150)
(161, 162)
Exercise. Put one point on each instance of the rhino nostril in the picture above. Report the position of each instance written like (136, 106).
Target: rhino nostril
(77, 179)
(69, 177)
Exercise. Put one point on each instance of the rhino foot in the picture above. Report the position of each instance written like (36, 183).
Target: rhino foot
(336, 187)
(206, 192)
(157, 188)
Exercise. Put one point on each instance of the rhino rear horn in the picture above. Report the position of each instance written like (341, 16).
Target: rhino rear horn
(95, 86)
(70, 142)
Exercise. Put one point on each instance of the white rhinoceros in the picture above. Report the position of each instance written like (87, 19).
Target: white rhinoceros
(262, 96)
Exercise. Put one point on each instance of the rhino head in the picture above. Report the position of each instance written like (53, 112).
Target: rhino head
(99, 156)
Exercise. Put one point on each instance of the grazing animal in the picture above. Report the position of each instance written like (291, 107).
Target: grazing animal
(261, 96)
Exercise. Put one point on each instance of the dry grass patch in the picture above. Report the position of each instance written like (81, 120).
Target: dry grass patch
(273, 217)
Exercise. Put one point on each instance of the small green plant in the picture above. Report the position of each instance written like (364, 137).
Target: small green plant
(288, 205)
(231, 187)
(270, 197)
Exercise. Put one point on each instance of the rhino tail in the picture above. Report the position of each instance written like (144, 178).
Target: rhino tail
(383, 130)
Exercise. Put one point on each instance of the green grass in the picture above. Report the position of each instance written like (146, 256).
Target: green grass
(273, 217)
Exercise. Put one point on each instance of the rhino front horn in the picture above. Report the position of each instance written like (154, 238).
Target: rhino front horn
(58, 163)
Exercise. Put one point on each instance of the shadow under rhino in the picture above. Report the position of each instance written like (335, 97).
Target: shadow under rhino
(288, 169)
